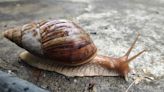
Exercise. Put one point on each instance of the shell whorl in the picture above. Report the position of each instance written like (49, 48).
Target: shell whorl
(61, 40)
(14, 35)
(64, 41)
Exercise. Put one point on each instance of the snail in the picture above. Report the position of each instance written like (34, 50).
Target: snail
(64, 47)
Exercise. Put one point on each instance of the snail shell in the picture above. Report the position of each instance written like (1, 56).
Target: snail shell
(60, 40)
(64, 47)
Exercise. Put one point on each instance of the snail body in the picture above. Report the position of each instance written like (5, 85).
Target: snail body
(60, 45)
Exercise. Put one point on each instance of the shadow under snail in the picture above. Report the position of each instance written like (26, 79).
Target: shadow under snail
(64, 47)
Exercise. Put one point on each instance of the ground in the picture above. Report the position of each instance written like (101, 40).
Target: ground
(112, 24)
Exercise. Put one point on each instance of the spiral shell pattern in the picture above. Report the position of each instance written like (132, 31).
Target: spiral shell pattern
(61, 40)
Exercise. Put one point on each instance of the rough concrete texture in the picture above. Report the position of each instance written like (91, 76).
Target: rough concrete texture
(113, 25)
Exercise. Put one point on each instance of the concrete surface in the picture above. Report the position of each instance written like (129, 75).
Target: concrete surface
(115, 23)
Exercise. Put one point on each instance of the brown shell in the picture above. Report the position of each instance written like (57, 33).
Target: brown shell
(66, 42)
(60, 40)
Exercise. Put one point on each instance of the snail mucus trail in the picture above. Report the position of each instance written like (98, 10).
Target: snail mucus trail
(64, 47)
